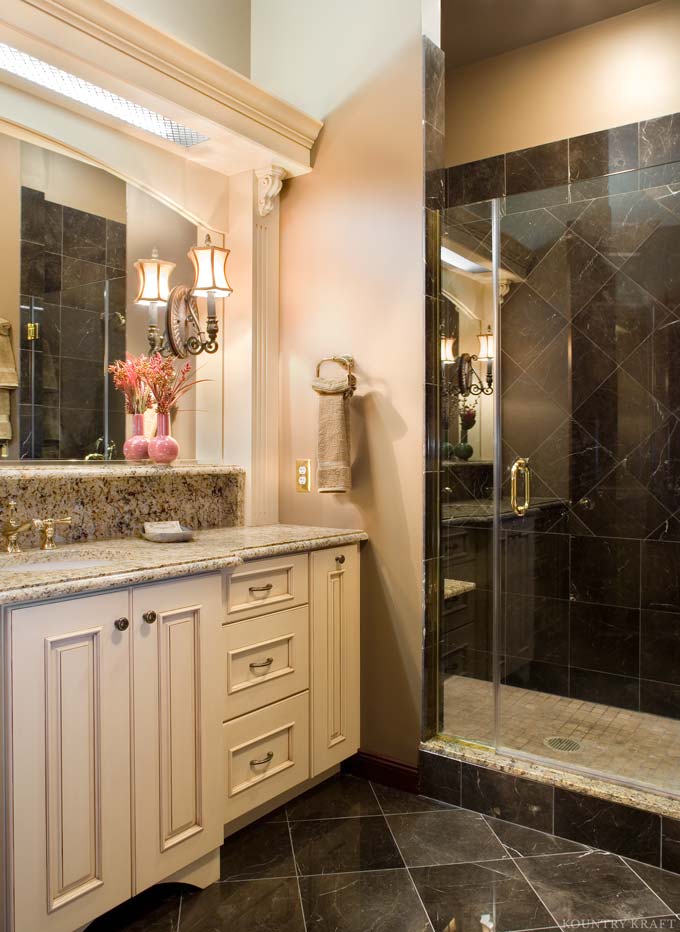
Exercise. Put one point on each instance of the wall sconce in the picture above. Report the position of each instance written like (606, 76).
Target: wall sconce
(184, 333)
(468, 381)
(447, 350)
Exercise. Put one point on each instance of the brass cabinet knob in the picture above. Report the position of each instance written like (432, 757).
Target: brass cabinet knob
(121, 624)
(340, 560)
(149, 617)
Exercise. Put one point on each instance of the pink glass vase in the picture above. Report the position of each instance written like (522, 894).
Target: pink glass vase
(136, 447)
(163, 448)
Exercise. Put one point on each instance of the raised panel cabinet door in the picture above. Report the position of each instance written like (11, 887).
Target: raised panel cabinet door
(70, 758)
(178, 685)
(335, 654)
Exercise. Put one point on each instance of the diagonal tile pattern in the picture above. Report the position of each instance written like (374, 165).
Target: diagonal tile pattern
(522, 879)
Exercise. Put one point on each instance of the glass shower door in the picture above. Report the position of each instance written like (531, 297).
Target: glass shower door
(588, 458)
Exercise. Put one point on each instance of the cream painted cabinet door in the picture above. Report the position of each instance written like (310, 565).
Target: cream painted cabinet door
(178, 685)
(70, 759)
(334, 656)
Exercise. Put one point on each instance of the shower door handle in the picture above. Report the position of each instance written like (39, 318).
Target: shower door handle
(520, 466)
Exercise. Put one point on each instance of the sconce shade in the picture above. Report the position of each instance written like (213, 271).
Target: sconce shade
(210, 270)
(447, 345)
(486, 345)
(154, 279)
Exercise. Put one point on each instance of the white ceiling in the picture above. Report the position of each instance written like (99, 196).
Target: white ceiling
(477, 29)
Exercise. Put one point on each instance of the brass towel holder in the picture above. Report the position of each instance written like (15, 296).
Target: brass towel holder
(347, 362)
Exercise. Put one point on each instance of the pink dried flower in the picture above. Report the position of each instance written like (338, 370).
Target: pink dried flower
(165, 383)
(128, 379)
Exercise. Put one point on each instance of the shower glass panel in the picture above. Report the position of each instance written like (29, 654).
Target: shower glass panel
(559, 627)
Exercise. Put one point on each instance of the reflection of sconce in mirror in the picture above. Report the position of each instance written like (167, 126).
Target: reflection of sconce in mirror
(184, 333)
(447, 350)
(468, 381)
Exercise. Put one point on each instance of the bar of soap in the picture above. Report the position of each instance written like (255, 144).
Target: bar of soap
(166, 532)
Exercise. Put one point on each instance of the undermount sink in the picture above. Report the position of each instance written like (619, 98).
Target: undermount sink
(49, 565)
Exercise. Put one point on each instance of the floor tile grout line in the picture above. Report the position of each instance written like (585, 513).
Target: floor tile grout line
(410, 875)
(649, 887)
(526, 879)
(179, 912)
(297, 872)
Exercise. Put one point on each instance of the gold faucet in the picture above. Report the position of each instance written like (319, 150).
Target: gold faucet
(11, 528)
(47, 527)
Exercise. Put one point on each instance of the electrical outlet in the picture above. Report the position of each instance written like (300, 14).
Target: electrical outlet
(303, 475)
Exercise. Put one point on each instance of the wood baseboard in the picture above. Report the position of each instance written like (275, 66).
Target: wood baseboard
(383, 770)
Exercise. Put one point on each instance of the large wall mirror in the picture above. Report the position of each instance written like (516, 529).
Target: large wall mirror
(73, 235)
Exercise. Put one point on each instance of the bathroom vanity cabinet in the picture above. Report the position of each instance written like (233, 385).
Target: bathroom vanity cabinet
(139, 722)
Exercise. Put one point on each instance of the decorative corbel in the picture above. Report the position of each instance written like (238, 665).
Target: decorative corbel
(269, 184)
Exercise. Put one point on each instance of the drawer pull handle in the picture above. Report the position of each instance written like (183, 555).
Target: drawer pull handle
(266, 588)
(258, 664)
(262, 760)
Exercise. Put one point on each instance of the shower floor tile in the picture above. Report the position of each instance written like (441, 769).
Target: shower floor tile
(631, 745)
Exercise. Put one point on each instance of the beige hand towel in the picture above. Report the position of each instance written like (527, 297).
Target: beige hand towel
(334, 470)
(8, 371)
(5, 422)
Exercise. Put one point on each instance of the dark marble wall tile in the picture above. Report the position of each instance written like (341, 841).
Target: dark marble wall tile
(534, 674)
(507, 797)
(606, 571)
(32, 269)
(605, 638)
(660, 140)
(661, 575)
(84, 235)
(543, 166)
(54, 227)
(434, 84)
(622, 692)
(475, 181)
(432, 253)
(32, 216)
(536, 627)
(670, 844)
(660, 698)
(115, 244)
(603, 824)
(440, 777)
(611, 150)
(660, 646)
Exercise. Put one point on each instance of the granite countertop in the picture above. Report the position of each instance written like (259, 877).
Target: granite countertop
(107, 564)
(480, 510)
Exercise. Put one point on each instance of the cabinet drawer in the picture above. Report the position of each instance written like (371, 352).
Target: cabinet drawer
(266, 659)
(267, 753)
(263, 586)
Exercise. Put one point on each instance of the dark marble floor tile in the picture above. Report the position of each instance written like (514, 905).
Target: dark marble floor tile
(590, 886)
(540, 167)
(393, 801)
(341, 796)
(456, 896)
(380, 901)
(440, 777)
(616, 226)
(507, 797)
(604, 638)
(660, 646)
(665, 884)
(654, 265)
(84, 235)
(601, 823)
(622, 692)
(619, 317)
(670, 844)
(154, 910)
(340, 845)
(660, 576)
(250, 906)
(427, 838)
(260, 850)
(660, 140)
(528, 842)
(570, 274)
(660, 699)
(610, 150)
(475, 181)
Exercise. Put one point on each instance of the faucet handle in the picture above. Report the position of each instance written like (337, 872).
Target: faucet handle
(11, 528)
(47, 527)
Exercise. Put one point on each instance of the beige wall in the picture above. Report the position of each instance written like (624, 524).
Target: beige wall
(219, 28)
(352, 282)
(617, 71)
(10, 258)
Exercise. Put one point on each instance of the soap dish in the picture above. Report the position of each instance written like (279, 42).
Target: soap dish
(167, 532)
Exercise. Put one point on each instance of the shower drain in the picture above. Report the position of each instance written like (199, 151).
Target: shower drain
(562, 744)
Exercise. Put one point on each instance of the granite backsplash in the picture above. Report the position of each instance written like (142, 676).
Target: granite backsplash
(114, 501)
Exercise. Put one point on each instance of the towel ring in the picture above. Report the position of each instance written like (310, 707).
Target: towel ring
(347, 362)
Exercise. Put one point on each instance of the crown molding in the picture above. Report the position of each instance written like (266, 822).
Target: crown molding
(103, 36)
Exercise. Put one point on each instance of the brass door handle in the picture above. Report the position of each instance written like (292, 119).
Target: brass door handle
(520, 465)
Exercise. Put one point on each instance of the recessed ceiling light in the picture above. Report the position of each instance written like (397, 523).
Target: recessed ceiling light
(456, 261)
(70, 85)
